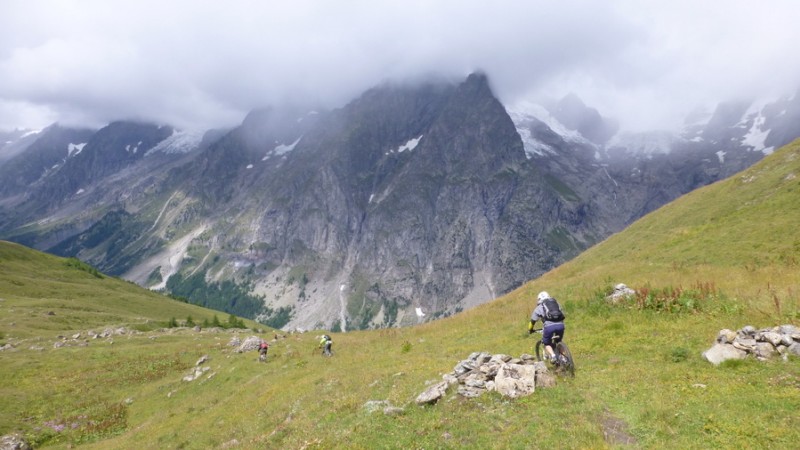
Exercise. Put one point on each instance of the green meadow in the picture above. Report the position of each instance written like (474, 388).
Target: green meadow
(724, 256)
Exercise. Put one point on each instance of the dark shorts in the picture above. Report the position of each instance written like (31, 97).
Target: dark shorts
(553, 328)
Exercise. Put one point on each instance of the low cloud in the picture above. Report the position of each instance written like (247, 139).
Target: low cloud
(204, 63)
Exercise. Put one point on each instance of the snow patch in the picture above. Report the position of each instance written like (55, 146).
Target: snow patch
(419, 312)
(524, 112)
(75, 149)
(721, 156)
(410, 145)
(80, 191)
(179, 142)
(249, 166)
(281, 149)
(756, 136)
(30, 133)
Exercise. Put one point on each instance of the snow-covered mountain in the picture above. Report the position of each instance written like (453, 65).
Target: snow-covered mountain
(409, 203)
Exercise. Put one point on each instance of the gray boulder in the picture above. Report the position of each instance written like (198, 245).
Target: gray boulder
(726, 336)
(251, 343)
(515, 380)
(764, 350)
(432, 394)
(723, 352)
(14, 441)
(620, 292)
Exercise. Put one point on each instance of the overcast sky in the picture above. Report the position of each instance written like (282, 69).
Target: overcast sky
(194, 63)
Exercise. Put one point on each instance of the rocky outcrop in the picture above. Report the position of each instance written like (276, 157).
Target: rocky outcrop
(483, 372)
(763, 344)
(250, 343)
(620, 293)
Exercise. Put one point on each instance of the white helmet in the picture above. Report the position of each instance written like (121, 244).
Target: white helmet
(542, 297)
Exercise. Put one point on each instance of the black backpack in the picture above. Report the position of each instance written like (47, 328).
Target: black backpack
(552, 311)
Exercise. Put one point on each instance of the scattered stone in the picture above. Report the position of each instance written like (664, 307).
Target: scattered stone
(230, 444)
(375, 405)
(432, 394)
(197, 373)
(202, 359)
(14, 441)
(469, 392)
(393, 411)
(483, 372)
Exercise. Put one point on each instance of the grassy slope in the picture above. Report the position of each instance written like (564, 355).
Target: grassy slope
(638, 370)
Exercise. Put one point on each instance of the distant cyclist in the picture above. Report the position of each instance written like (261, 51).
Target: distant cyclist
(325, 344)
(549, 312)
(263, 347)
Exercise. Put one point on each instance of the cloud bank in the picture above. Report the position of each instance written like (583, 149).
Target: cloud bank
(207, 63)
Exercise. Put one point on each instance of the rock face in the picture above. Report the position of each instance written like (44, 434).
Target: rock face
(762, 344)
(482, 372)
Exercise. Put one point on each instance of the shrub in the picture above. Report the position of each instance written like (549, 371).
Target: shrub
(679, 354)
(406, 347)
(80, 265)
(675, 299)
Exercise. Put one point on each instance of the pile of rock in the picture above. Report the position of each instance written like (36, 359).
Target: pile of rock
(249, 344)
(762, 344)
(621, 292)
(483, 372)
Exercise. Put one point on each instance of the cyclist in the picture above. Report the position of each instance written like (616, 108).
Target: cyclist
(262, 350)
(325, 344)
(549, 312)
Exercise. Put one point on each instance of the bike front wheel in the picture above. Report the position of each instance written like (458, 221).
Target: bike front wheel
(539, 350)
(565, 358)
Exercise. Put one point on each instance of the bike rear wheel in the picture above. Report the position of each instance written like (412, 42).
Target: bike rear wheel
(565, 357)
(539, 350)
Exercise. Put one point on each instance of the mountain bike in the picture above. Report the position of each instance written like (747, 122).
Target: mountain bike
(563, 360)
